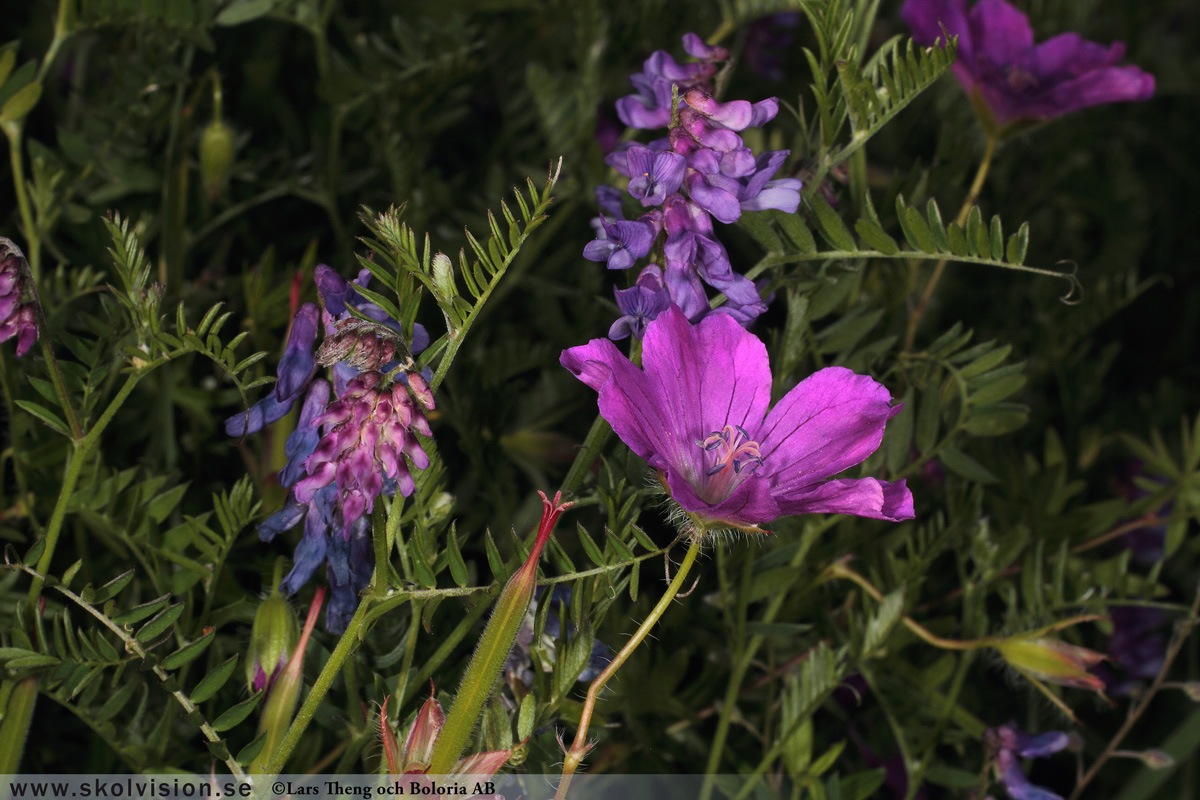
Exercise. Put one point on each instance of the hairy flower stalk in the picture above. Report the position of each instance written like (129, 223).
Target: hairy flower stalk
(488, 660)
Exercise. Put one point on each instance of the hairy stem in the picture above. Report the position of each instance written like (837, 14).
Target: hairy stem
(579, 748)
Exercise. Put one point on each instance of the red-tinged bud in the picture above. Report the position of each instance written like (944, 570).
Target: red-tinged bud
(216, 157)
(1054, 661)
(494, 646)
(423, 735)
(391, 750)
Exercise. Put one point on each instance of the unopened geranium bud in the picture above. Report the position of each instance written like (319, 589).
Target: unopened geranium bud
(216, 157)
(1053, 660)
(272, 639)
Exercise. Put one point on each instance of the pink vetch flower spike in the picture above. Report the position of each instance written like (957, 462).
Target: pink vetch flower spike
(422, 737)
(16, 319)
(368, 432)
(698, 412)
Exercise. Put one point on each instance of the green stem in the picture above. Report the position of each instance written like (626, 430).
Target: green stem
(33, 240)
(82, 450)
(345, 646)
(18, 714)
(580, 747)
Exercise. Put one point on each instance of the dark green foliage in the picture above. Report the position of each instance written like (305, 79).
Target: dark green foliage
(129, 513)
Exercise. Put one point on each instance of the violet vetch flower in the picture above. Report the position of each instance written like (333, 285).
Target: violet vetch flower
(1137, 644)
(1010, 744)
(296, 368)
(640, 303)
(624, 243)
(368, 431)
(698, 413)
(1013, 79)
(699, 171)
(16, 319)
(654, 175)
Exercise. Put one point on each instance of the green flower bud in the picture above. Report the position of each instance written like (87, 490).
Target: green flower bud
(272, 640)
(216, 157)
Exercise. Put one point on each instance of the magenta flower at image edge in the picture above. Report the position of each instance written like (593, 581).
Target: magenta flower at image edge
(999, 65)
(698, 412)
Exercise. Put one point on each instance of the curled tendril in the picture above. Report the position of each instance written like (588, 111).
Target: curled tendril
(1071, 278)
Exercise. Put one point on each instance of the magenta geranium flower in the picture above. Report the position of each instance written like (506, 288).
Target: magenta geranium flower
(697, 411)
(999, 64)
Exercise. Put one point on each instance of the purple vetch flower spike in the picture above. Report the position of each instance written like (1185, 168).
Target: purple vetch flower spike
(15, 319)
(697, 411)
(640, 304)
(654, 176)
(1010, 78)
(369, 430)
(296, 368)
(624, 243)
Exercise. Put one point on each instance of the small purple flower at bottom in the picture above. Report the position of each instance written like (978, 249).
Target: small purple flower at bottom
(1010, 744)
(345, 550)
(697, 411)
(640, 303)
(998, 63)
(624, 242)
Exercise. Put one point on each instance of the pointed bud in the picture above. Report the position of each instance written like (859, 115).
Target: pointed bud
(423, 735)
(272, 638)
(391, 750)
(1192, 690)
(1054, 661)
(281, 703)
(1157, 759)
(216, 157)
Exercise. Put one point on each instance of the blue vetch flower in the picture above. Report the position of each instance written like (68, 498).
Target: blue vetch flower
(1012, 743)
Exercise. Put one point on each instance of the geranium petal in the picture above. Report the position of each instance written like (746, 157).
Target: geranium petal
(831, 420)
(708, 376)
(865, 497)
